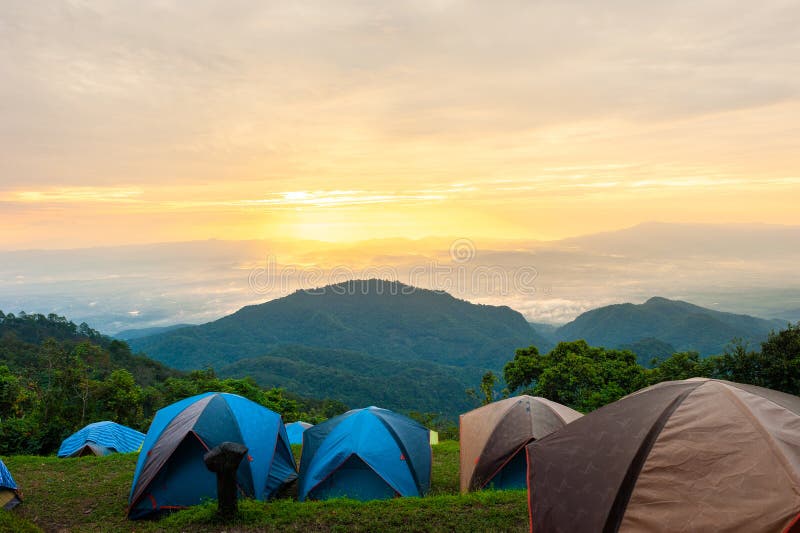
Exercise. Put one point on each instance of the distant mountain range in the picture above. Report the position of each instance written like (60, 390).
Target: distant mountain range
(742, 268)
(415, 348)
(373, 341)
(660, 326)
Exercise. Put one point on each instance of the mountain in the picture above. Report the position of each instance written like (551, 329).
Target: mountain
(381, 318)
(128, 334)
(362, 342)
(648, 349)
(744, 268)
(548, 334)
(682, 325)
(790, 315)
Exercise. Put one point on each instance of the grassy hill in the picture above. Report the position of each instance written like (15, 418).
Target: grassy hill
(90, 494)
(682, 325)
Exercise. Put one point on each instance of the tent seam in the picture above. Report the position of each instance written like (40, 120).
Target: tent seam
(628, 484)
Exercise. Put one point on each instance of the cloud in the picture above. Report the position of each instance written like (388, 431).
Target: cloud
(77, 194)
(560, 112)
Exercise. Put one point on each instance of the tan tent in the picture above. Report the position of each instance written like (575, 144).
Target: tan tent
(692, 455)
(493, 439)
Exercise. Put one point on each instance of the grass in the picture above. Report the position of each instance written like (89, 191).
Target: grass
(91, 494)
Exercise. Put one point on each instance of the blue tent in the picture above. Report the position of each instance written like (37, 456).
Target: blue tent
(9, 492)
(171, 473)
(101, 438)
(365, 454)
(295, 431)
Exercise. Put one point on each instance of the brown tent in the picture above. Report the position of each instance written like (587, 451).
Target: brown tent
(493, 439)
(693, 455)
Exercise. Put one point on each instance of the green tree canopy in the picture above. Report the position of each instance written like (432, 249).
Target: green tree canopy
(575, 374)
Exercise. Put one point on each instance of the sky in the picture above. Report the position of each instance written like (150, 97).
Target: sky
(139, 122)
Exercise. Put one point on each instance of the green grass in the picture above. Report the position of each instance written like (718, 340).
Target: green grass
(91, 494)
(12, 522)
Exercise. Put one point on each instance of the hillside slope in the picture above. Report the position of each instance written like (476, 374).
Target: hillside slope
(358, 379)
(22, 347)
(383, 319)
(136, 333)
(680, 324)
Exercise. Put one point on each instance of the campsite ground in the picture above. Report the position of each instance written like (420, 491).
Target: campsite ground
(90, 494)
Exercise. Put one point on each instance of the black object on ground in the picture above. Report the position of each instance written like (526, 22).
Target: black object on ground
(224, 462)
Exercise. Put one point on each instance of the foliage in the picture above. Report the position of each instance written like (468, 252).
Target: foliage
(585, 377)
(681, 365)
(445, 427)
(775, 366)
(358, 379)
(575, 374)
(51, 389)
(487, 393)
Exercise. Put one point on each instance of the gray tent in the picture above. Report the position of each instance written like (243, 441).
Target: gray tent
(493, 439)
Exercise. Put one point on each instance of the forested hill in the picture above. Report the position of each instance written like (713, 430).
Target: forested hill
(34, 328)
(56, 377)
(660, 322)
(26, 340)
(359, 379)
(384, 319)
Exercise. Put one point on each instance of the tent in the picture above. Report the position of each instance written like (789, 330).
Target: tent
(9, 492)
(434, 437)
(692, 455)
(101, 438)
(295, 431)
(365, 454)
(171, 473)
(493, 439)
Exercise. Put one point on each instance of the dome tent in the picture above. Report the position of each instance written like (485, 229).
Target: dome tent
(365, 454)
(101, 438)
(295, 431)
(493, 439)
(9, 492)
(171, 474)
(692, 455)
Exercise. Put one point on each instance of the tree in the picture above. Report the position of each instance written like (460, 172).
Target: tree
(487, 393)
(10, 393)
(121, 398)
(575, 374)
(681, 365)
(780, 360)
(776, 366)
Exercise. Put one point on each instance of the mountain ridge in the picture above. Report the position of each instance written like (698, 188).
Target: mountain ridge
(682, 325)
(378, 317)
